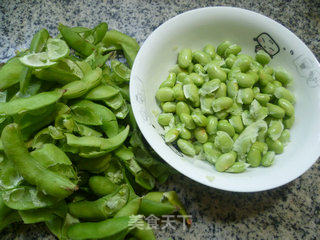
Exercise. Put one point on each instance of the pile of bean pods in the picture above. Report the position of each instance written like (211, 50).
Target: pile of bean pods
(71, 153)
(228, 108)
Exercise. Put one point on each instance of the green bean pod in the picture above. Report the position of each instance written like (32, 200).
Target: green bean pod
(78, 88)
(102, 208)
(146, 233)
(75, 41)
(101, 186)
(109, 228)
(23, 105)
(128, 44)
(104, 144)
(10, 218)
(10, 73)
(131, 208)
(149, 207)
(33, 172)
(95, 164)
(37, 44)
(142, 177)
(64, 72)
(99, 31)
(101, 92)
(85, 111)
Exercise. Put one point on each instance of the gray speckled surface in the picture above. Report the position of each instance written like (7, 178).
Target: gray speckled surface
(289, 212)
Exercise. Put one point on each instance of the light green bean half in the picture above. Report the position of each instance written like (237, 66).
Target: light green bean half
(185, 57)
(225, 161)
(186, 147)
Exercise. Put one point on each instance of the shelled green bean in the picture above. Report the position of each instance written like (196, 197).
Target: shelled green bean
(223, 106)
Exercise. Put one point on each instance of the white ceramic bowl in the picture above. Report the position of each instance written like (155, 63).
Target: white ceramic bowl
(251, 31)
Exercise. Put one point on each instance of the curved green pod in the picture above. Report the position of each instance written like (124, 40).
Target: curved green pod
(26, 198)
(99, 31)
(23, 105)
(102, 208)
(64, 72)
(75, 41)
(142, 177)
(78, 88)
(10, 73)
(131, 208)
(10, 218)
(32, 171)
(149, 207)
(101, 185)
(129, 45)
(96, 230)
(95, 165)
(101, 92)
(104, 144)
(37, 44)
(85, 111)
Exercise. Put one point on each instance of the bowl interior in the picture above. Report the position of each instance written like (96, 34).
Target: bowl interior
(252, 31)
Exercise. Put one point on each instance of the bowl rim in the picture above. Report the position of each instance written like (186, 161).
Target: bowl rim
(154, 145)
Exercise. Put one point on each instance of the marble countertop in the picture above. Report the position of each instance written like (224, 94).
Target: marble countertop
(288, 212)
